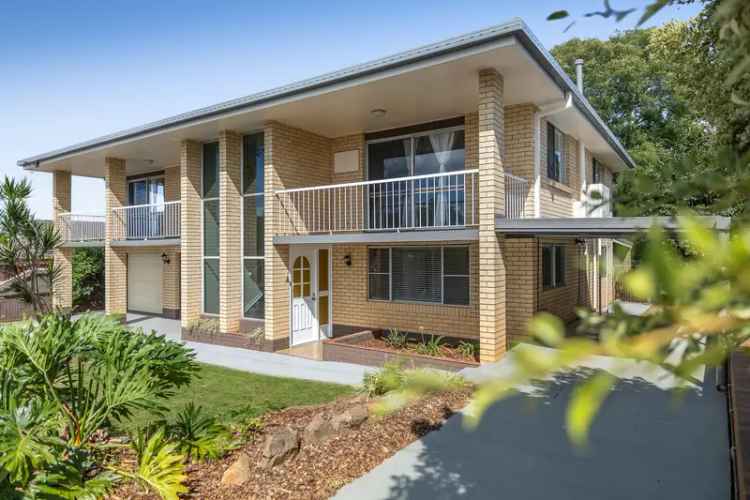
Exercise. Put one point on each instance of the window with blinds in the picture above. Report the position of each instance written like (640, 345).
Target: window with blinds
(420, 274)
(553, 266)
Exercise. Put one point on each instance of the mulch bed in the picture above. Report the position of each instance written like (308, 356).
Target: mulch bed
(319, 470)
(445, 350)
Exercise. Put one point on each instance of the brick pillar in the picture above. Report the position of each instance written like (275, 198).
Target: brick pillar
(230, 233)
(190, 232)
(276, 256)
(492, 334)
(62, 288)
(115, 259)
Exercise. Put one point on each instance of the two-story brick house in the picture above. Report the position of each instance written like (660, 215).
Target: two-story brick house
(444, 189)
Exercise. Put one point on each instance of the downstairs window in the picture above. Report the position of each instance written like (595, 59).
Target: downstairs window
(553, 266)
(438, 275)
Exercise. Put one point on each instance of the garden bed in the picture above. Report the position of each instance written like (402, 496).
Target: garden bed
(319, 469)
(373, 348)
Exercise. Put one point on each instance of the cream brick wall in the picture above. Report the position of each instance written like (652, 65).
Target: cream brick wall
(293, 158)
(172, 183)
(519, 147)
(492, 327)
(171, 279)
(62, 289)
(351, 305)
(190, 232)
(522, 285)
(230, 235)
(115, 259)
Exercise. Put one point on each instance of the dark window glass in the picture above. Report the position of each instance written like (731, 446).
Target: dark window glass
(252, 164)
(595, 173)
(560, 265)
(456, 275)
(211, 228)
(547, 263)
(416, 274)
(378, 277)
(456, 290)
(555, 153)
(211, 170)
(389, 159)
(439, 152)
(211, 286)
(253, 286)
(253, 222)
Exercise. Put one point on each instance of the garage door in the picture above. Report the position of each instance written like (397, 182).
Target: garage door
(144, 283)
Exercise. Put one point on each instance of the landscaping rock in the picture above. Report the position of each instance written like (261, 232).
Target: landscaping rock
(238, 472)
(319, 429)
(352, 417)
(279, 446)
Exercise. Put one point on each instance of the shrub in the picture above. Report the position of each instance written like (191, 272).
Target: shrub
(431, 346)
(198, 435)
(467, 349)
(63, 383)
(88, 277)
(395, 338)
(207, 326)
(389, 378)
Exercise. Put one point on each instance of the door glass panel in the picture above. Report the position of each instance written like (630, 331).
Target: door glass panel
(301, 280)
(388, 204)
(252, 164)
(389, 159)
(254, 226)
(156, 191)
(439, 152)
(211, 228)
(323, 310)
(323, 270)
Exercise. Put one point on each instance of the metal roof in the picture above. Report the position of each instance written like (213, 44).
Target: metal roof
(515, 28)
(596, 226)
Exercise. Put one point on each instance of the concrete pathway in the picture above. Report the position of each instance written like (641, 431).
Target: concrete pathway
(265, 363)
(644, 444)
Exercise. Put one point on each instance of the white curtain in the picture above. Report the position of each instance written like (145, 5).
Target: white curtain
(442, 146)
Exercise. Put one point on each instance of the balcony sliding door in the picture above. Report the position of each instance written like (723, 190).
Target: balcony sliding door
(145, 220)
(414, 203)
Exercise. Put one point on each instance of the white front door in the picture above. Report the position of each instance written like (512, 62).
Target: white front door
(144, 282)
(303, 289)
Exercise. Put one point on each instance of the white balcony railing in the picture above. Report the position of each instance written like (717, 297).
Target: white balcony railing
(146, 222)
(516, 196)
(437, 201)
(78, 228)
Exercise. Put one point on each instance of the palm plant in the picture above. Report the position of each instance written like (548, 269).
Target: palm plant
(26, 245)
(63, 383)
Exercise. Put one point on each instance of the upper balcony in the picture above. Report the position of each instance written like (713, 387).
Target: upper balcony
(424, 202)
(152, 224)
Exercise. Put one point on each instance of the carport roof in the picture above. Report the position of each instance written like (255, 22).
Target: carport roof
(596, 226)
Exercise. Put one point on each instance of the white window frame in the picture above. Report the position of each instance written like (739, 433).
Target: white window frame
(152, 177)
(203, 231)
(243, 258)
(412, 139)
(442, 275)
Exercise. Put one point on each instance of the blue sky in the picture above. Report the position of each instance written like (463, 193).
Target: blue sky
(74, 70)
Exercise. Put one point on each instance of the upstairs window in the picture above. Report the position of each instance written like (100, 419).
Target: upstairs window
(555, 154)
(596, 174)
(553, 266)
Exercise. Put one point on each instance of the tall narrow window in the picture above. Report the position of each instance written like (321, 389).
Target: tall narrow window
(253, 210)
(210, 194)
(555, 153)
(596, 175)
(553, 266)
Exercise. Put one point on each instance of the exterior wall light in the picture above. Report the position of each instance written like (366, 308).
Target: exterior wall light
(165, 258)
(348, 260)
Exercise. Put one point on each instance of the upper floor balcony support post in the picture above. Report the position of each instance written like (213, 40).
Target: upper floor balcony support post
(115, 260)
(62, 289)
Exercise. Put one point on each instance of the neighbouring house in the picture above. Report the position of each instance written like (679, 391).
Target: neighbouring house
(448, 189)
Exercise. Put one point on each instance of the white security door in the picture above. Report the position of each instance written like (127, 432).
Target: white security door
(144, 282)
(304, 322)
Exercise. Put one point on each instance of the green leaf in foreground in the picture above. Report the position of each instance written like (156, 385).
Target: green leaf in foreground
(585, 402)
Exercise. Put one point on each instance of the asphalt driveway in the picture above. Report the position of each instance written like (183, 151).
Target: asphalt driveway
(644, 444)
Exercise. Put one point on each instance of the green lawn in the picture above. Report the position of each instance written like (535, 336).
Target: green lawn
(219, 390)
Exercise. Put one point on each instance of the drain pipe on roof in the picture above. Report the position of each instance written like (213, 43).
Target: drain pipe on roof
(544, 112)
